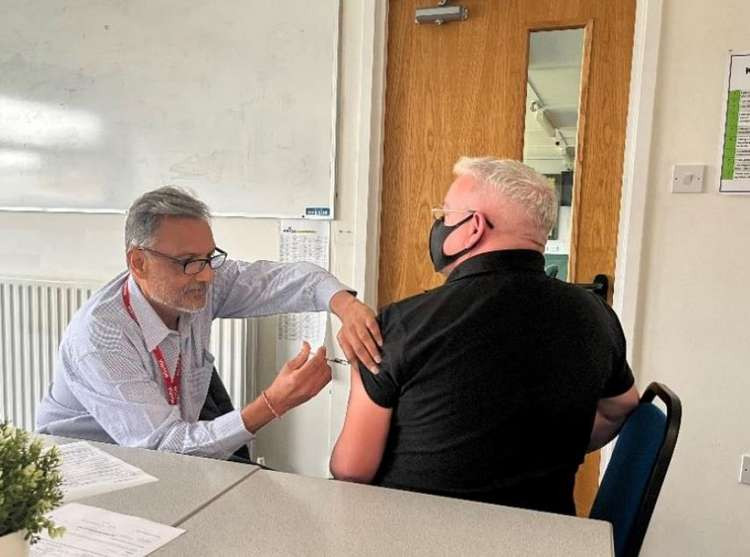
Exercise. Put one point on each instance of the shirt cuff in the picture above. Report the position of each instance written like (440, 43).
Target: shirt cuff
(328, 290)
(230, 432)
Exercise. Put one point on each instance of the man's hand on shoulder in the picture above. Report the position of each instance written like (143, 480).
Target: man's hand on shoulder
(359, 336)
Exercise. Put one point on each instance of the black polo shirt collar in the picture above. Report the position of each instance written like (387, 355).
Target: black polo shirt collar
(499, 261)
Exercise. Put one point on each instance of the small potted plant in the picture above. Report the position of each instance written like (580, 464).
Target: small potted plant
(30, 483)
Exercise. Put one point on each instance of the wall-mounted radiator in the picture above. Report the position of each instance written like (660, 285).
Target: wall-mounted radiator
(33, 317)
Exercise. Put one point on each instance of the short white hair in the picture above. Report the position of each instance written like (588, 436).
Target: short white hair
(517, 182)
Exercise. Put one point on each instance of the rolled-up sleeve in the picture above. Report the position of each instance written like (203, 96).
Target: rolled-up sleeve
(384, 387)
(243, 289)
(116, 389)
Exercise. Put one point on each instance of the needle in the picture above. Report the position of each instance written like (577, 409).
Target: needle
(338, 361)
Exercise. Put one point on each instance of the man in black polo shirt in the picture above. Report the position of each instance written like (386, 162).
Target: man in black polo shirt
(495, 385)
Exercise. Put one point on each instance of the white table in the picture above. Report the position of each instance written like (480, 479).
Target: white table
(186, 483)
(271, 513)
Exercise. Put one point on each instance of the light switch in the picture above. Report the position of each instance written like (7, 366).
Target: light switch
(688, 178)
(745, 469)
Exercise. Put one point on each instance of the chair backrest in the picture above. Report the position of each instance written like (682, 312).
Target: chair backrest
(635, 474)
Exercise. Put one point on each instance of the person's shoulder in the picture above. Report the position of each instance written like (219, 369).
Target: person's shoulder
(101, 322)
(405, 305)
(402, 311)
(569, 292)
(232, 267)
(235, 272)
(584, 305)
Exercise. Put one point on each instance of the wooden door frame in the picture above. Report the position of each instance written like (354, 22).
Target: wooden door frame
(369, 162)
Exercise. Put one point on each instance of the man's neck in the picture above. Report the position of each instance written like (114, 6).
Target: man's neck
(511, 243)
(169, 316)
(497, 244)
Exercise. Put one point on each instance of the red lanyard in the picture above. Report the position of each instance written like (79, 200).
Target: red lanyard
(172, 384)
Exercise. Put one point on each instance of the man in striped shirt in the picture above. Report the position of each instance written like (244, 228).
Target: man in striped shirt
(134, 368)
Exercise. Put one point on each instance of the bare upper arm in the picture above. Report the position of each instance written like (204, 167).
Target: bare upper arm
(616, 408)
(359, 449)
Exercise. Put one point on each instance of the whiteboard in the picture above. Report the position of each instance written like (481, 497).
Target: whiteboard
(101, 100)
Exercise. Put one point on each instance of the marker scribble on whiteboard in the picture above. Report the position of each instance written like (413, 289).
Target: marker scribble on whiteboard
(212, 167)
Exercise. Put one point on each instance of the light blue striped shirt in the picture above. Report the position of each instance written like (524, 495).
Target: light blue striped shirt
(107, 385)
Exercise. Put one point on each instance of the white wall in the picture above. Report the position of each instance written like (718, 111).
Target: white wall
(692, 329)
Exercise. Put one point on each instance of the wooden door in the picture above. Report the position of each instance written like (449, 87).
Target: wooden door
(460, 89)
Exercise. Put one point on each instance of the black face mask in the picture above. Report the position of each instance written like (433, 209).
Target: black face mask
(438, 234)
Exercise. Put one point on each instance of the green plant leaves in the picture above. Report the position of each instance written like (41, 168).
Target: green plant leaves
(30, 483)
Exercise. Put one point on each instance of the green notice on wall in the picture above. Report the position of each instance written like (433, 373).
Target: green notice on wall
(735, 151)
(730, 135)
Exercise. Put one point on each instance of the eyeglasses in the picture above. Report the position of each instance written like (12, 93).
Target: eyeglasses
(194, 265)
(439, 213)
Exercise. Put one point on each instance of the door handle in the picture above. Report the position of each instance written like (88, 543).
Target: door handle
(599, 286)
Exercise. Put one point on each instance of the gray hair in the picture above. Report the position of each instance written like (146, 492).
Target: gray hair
(517, 182)
(146, 213)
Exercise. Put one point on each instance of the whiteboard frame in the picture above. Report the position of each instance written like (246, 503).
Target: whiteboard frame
(241, 214)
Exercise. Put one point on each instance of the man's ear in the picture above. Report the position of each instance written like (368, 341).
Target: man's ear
(479, 224)
(137, 263)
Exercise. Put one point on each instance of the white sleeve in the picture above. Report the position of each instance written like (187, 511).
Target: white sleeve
(242, 289)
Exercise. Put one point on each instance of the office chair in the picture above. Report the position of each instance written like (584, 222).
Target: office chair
(599, 286)
(634, 476)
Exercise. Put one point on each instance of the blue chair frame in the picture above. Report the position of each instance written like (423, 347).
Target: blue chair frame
(633, 479)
